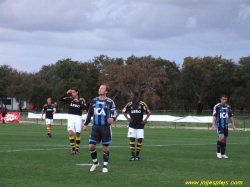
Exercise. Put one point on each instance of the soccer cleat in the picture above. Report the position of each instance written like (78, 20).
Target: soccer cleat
(132, 158)
(49, 135)
(94, 166)
(105, 170)
(77, 152)
(224, 156)
(72, 152)
(137, 158)
(218, 155)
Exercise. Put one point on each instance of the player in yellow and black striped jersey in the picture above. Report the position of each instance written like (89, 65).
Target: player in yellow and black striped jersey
(136, 109)
(49, 109)
(75, 107)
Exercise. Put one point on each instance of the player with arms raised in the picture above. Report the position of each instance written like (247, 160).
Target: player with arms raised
(136, 108)
(75, 107)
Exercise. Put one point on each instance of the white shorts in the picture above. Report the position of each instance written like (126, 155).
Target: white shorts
(135, 133)
(74, 123)
(49, 121)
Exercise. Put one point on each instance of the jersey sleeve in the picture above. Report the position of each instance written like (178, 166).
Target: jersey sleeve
(44, 108)
(113, 110)
(145, 108)
(89, 114)
(126, 109)
(83, 104)
(63, 98)
(230, 112)
(215, 110)
(54, 107)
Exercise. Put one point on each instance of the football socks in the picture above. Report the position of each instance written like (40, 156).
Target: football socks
(72, 142)
(78, 140)
(132, 148)
(138, 150)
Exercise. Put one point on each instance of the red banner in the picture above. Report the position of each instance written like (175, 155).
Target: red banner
(13, 117)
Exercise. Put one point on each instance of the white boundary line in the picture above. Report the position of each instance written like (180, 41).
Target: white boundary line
(7, 151)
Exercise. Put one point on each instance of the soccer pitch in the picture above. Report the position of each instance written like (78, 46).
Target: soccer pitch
(169, 157)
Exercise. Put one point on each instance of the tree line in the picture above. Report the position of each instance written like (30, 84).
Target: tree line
(162, 84)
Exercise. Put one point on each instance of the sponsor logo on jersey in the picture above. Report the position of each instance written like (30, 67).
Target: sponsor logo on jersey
(135, 111)
(100, 102)
(224, 115)
(99, 111)
(74, 105)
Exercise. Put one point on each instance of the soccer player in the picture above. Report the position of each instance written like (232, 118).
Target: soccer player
(104, 113)
(221, 113)
(75, 107)
(49, 109)
(136, 108)
(4, 112)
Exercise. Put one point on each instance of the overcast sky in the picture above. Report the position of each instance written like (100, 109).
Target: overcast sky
(34, 33)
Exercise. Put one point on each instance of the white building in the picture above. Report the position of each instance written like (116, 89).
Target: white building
(12, 104)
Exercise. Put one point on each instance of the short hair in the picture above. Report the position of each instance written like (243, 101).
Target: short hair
(223, 95)
(135, 93)
(49, 98)
(107, 87)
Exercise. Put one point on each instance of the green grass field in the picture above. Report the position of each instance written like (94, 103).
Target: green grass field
(170, 157)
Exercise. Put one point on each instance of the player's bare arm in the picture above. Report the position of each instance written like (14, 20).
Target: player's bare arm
(214, 120)
(85, 128)
(110, 120)
(126, 116)
(232, 120)
(145, 120)
(42, 115)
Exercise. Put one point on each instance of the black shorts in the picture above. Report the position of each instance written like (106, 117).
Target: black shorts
(101, 133)
(222, 131)
(3, 115)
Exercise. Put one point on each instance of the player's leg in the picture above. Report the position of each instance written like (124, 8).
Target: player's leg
(140, 136)
(78, 126)
(224, 140)
(106, 134)
(3, 118)
(49, 130)
(71, 130)
(48, 124)
(220, 141)
(105, 157)
(132, 136)
(95, 138)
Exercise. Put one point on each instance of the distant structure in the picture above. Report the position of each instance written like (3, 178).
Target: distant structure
(12, 104)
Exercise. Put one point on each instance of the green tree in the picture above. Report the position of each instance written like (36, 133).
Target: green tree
(241, 96)
(204, 78)
(7, 75)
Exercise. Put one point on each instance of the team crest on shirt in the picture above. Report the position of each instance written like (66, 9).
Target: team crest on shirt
(131, 107)
(139, 106)
(106, 106)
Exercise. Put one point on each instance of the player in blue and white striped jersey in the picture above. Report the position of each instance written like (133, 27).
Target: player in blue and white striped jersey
(103, 111)
(221, 114)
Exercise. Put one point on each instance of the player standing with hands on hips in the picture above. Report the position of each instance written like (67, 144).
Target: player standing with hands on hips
(136, 108)
(49, 109)
(75, 107)
(221, 113)
(103, 111)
